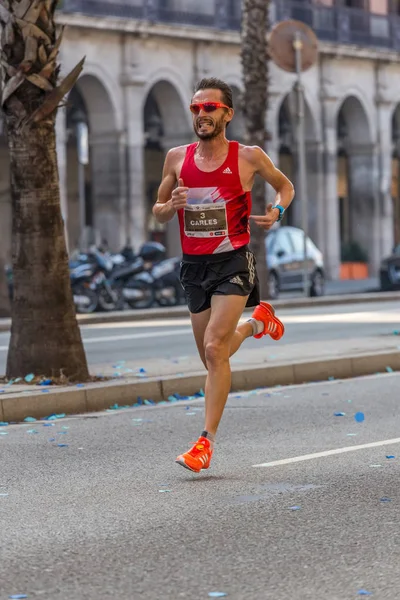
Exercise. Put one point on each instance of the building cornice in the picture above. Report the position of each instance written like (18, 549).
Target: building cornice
(203, 34)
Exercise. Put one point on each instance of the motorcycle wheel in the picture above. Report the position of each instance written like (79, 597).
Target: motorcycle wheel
(173, 298)
(107, 303)
(92, 301)
(145, 295)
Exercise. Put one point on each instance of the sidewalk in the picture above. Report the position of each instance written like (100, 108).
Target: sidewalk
(158, 379)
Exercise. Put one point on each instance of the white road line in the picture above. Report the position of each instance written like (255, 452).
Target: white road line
(295, 459)
(136, 324)
(356, 317)
(137, 336)
(131, 336)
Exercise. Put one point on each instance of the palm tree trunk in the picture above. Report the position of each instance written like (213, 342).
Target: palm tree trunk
(254, 58)
(45, 337)
(4, 297)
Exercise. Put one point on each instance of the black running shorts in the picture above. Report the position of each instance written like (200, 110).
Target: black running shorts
(229, 274)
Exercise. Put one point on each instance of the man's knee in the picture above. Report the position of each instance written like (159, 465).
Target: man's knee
(216, 350)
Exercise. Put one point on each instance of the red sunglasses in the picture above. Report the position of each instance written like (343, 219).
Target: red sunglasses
(207, 107)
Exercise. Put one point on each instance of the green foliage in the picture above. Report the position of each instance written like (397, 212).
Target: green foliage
(353, 252)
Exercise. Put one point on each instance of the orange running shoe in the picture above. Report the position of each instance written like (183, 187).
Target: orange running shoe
(198, 457)
(272, 325)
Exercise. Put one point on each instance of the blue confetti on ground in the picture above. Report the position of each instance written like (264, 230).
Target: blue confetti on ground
(29, 420)
(29, 378)
(46, 382)
(385, 499)
(54, 417)
(18, 596)
(294, 507)
(389, 369)
(389, 456)
(3, 424)
(217, 594)
(364, 593)
(359, 417)
(62, 445)
(339, 414)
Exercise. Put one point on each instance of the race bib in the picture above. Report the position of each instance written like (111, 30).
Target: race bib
(205, 220)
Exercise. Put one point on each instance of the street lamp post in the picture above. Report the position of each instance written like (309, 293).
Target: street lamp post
(301, 152)
(293, 46)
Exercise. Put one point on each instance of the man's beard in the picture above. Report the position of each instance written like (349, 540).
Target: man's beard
(219, 127)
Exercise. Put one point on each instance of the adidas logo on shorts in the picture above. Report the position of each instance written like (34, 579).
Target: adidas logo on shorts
(227, 171)
(236, 280)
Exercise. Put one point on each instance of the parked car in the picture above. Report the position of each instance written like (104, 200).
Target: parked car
(389, 272)
(285, 258)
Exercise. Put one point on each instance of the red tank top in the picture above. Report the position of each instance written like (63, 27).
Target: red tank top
(217, 216)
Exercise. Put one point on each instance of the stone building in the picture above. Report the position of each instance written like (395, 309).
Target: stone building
(142, 60)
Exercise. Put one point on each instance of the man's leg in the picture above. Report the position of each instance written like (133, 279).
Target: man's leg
(225, 314)
(218, 336)
(199, 325)
(243, 331)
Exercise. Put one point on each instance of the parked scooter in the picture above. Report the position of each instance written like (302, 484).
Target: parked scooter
(91, 275)
(166, 283)
(84, 282)
(134, 279)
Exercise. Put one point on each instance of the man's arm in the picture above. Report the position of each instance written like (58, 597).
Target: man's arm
(281, 184)
(163, 210)
(264, 166)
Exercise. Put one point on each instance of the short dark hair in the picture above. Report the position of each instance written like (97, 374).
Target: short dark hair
(213, 83)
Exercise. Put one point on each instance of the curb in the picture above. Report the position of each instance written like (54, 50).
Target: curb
(100, 396)
(182, 311)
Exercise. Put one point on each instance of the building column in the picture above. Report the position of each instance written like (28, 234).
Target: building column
(330, 211)
(61, 146)
(272, 145)
(135, 140)
(315, 192)
(384, 159)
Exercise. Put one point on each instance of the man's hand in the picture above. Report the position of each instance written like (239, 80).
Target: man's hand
(266, 221)
(179, 196)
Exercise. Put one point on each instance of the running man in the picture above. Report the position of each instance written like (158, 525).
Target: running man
(209, 184)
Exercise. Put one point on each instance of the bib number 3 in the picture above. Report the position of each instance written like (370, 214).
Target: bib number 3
(207, 220)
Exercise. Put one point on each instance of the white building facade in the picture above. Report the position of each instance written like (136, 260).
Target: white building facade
(143, 58)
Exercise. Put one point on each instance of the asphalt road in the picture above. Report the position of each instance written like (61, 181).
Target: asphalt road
(88, 521)
(172, 338)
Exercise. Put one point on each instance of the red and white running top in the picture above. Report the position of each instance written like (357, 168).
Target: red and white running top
(217, 216)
